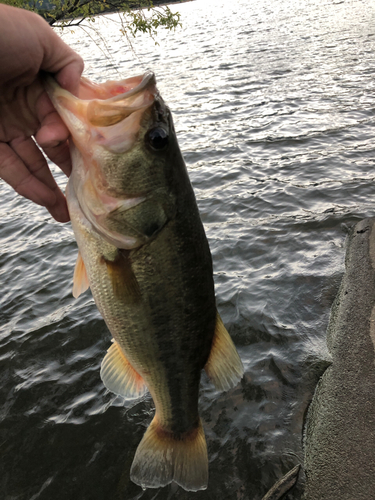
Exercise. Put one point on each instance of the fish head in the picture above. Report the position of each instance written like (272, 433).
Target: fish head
(124, 152)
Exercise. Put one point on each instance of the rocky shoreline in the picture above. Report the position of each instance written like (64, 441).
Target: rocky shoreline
(340, 430)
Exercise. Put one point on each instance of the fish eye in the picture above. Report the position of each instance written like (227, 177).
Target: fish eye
(158, 138)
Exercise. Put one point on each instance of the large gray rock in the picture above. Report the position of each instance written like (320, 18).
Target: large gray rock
(340, 428)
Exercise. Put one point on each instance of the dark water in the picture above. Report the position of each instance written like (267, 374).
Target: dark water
(274, 108)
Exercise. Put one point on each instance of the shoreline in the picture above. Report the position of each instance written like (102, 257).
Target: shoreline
(156, 3)
(171, 2)
(340, 427)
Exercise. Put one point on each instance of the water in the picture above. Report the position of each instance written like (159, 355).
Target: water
(273, 104)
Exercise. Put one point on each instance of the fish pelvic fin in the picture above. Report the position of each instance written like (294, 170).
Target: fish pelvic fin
(119, 376)
(224, 366)
(162, 457)
(80, 278)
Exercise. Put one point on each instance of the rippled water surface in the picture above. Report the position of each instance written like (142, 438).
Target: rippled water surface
(273, 104)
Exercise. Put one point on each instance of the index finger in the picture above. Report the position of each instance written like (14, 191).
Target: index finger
(53, 135)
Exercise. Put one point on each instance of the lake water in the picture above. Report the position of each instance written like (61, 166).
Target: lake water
(273, 103)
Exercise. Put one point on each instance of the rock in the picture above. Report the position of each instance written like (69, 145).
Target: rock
(340, 426)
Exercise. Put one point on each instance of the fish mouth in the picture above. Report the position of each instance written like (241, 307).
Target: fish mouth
(100, 106)
(109, 90)
(114, 91)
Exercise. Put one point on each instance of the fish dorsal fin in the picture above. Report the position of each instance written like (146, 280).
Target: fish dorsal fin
(224, 366)
(80, 279)
(119, 376)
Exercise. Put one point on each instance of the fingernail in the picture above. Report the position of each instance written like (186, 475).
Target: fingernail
(60, 212)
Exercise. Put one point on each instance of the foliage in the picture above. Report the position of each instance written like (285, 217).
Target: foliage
(141, 15)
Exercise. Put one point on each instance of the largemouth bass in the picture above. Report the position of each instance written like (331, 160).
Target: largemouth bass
(144, 253)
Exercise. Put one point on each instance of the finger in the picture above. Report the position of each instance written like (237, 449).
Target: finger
(33, 159)
(60, 59)
(52, 130)
(35, 162)
(53, 134)
(59, 211)
(14, 172)
(60, 155)
(69, 77)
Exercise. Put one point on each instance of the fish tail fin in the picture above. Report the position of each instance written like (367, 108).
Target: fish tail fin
(162, 458)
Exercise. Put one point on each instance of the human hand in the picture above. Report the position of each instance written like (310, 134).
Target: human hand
(28, 46)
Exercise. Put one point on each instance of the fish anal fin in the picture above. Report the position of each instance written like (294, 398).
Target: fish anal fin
(80, 278)
(224, 366)
(162, 458)
(119, 376)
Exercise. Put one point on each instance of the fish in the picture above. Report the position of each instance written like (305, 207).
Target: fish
(144, 254)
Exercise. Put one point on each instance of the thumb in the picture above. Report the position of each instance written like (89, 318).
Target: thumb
(61, 60)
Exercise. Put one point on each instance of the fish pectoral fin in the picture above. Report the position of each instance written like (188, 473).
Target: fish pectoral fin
(119, 376)
(124, 282)
(163, 457)
(224, 366)
(80, 279)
